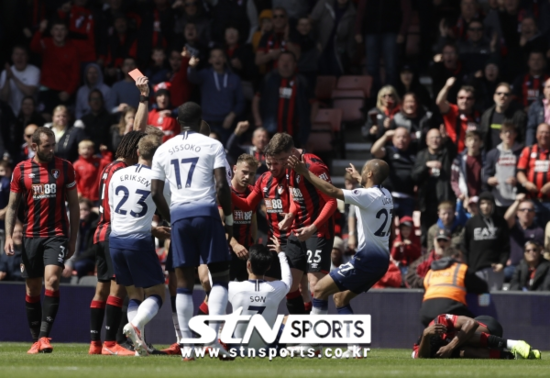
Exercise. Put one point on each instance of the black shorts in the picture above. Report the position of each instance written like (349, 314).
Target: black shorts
(237, 268)
(39, 252)
(311, 256)
(105, 270)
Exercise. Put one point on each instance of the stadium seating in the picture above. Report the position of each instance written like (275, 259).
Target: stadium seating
(325, 86)
(350, 101)
(363, 83)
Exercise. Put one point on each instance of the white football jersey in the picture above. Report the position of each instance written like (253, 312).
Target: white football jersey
(130, 200)
(374, 211)
(186, 163)
(260, 297)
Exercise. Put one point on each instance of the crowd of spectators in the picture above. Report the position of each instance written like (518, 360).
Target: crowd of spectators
(470, 151)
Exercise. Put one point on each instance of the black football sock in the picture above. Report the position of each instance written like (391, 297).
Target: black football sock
(34, 315)
(49, 311)
(495, 342)
(120, 338)
(113, 313)
(97, 314)
(295, 303)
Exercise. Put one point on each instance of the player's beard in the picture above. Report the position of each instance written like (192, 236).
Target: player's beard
(44, 157)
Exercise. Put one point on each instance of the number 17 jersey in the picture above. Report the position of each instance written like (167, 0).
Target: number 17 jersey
(186, 163)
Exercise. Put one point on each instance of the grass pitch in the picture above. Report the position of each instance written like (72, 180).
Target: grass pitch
(72, 360)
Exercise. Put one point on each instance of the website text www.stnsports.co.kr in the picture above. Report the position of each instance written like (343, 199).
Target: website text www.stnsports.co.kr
(271, 353)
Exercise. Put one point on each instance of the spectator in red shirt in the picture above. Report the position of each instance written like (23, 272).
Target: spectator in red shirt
(60, 64)
(161, 116)
(534, 173)
(406, 246)
(88, 169)
(81, 27)
(459, 118)
(180, 87)
(392, 278)
(466, 169)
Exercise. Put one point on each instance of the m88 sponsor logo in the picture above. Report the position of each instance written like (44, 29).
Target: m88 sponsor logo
(40, 191)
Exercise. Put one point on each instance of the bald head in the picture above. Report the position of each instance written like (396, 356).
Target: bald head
(377, 170)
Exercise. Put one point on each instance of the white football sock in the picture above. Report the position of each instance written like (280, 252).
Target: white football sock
(217, 304)
(185, 308)
(511, 343)
(133, 306)
(176, 326)
(147, 311)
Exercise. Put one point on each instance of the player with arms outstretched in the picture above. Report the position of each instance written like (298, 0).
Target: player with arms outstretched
(44, 183)
(193, 165)
(374, 218)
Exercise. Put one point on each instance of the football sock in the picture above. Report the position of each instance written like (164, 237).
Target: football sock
(511, 343)
(345, 310)
(203, 309)
(49, 311)
(34, 315)
(147, 311)
(97, 313)
(120, 337)
(217, 302)
(320, 307)
(113, 315)
(307, 307)
(184, 306)
(175, 318)
(295, 303)
(133, 306)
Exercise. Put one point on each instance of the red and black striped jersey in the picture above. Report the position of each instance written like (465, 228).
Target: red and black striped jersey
(535, 163)
(242, 220)
(44, 187)
(104, 225)
(275, 194)
(528, 88)
(308, 204)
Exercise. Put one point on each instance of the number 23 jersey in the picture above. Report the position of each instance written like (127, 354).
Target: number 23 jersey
(374, 211)
(130, 201)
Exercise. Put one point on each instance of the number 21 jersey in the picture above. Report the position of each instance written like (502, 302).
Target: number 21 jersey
(374, 217)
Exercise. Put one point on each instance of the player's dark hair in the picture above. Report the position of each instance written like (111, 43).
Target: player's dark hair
(127, 149)
(39, 131)
(148, 145)
(260, 258)
(281, 142)
(190, 115)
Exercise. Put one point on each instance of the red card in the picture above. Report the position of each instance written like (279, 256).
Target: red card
(135, 74)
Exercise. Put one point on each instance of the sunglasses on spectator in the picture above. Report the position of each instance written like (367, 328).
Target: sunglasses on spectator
(475, 29)
(531, 250)
(505, 94)
(465, 98)
(28, 136)
(387, 95)
(526, 209)
(279, 15)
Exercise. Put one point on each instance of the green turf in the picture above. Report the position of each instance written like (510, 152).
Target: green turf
(71, 360)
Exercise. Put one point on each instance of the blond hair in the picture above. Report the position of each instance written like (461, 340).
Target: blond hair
(385, 90)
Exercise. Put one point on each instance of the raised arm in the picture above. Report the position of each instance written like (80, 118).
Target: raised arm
(510, 215)
(323, 186)
(441, 100)
(140, 120)
(467, 327)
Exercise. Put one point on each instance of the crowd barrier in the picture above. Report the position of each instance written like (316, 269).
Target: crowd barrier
(394, 312)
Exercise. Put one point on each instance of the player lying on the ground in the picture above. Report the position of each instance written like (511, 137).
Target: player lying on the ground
(453, 336)
(258, 296)
(374, 219)
(135, 261)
